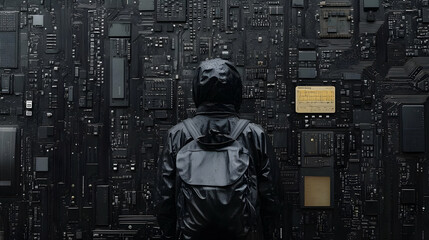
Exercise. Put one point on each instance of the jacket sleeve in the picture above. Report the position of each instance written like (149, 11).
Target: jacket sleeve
(165, 190)
(268, 181)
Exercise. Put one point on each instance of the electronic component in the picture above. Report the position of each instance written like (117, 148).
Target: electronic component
(315, 99)
(118, 78)
(41, 164)
(38, 20)
(146, 5)
(102, 205)
(315, 143)
(371, 4)
(8, 39)
(307, 56)
(8, 160)
(90, 88)
(336, 19)
(425, 14)
(413, 128)
(317, 191)
(5, 83)
(307, 73)
(170, 11)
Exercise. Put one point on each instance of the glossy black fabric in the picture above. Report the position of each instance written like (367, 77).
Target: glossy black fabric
(217, 81)
(263, 171)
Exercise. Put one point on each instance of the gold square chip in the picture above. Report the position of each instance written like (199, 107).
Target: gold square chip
(317, 191)
(315, 99)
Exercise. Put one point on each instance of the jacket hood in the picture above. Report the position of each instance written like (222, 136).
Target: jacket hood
(217, 81)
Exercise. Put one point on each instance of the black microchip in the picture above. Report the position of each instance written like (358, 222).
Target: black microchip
(425, 15)
(280, 139)
(408, 196)
(310, 144)
(8, 39)
(113, 4)
(371, 207)
(102, 205)
(8, 160)
(18, 83)
(170, 28)
(45, 131)
(361, 116)
(161, 114)
(412, 128)
(297, 3)
(73, 214)
(157, 28)
(317, 143)
(367, 137)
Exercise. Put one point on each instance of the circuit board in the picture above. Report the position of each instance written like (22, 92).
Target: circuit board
(89, 89)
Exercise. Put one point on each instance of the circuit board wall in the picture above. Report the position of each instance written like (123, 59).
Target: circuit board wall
(89, 89)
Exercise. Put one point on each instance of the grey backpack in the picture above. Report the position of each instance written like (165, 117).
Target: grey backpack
(212, 164)
(215, 188)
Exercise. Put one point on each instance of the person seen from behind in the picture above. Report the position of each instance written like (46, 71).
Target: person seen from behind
(217, 175)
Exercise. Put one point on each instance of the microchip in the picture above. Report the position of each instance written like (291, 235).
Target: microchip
(45, 131)
(317, 143)
(361, 116)
(371, 207)
(146, 5)
(5, 83)
(371, 4)
(413, 128)
(297, 3)
(118, 78)
(73, 214)
(18, 83)
(335, 21)
(408, 196)
(307, 72)
(8, 160)
(38, 20)
(280, 139)
(367, 137)
(111, 4)
(315, 99)
(307, 56)
(120, 30)
(8, 39)
(276, 10)
(425, 15)
(317, 191)
(41, 164)
(317, 149)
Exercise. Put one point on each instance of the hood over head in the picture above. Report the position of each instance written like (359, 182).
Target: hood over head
(217, 81)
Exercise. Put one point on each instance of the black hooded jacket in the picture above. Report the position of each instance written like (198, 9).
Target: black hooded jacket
(217, 95)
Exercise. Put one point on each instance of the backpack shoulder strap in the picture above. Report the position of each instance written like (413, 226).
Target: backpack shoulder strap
(239, 128)
(193, 130)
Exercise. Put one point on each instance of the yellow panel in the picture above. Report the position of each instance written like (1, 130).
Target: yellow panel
(317, 191)
(315, 99)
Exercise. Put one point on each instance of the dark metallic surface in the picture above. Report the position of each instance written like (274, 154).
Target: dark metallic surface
(93, 86)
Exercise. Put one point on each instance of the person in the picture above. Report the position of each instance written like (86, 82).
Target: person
(217, 178)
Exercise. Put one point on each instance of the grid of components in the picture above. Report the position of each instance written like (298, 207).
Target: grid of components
(89, 88)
